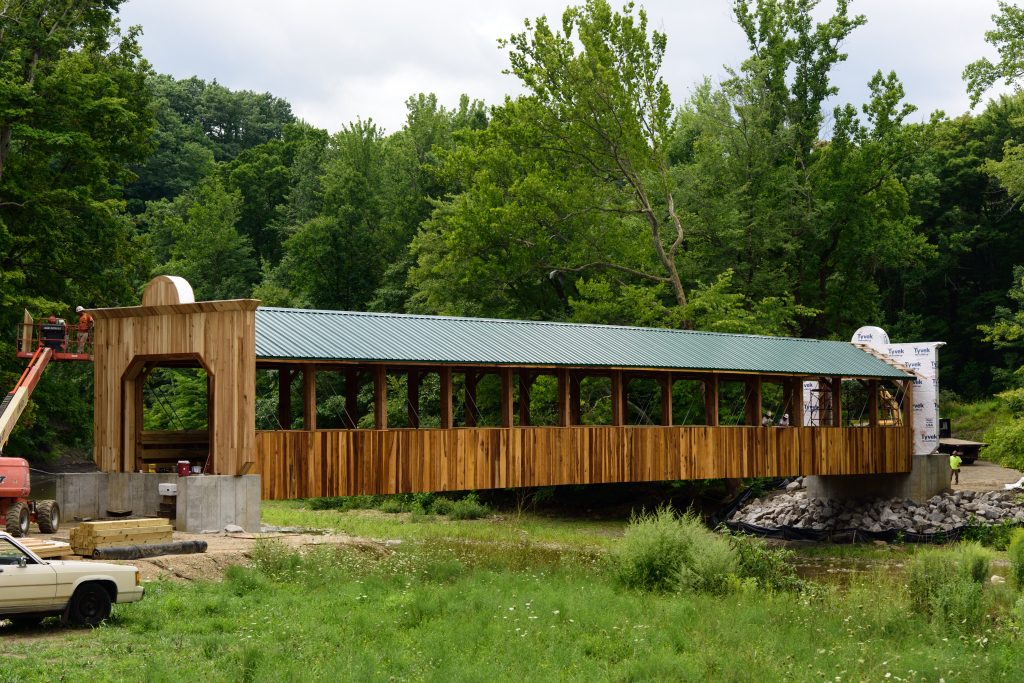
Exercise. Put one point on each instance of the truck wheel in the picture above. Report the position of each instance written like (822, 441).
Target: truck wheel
(89, 605)
(17, 520)
(48, 516)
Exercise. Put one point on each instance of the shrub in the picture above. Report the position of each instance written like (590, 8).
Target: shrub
(663, 551)
(469, 507)
(1016, 553)
(1007, 443)
(1014, 400)
(996, 536)
(393, 504)
(711, 568)
(770, 568)
(441, 506)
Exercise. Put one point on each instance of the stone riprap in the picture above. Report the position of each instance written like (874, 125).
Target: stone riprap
(941, 513)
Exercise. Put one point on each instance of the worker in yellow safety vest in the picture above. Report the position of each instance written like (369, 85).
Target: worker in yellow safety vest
(954, 465)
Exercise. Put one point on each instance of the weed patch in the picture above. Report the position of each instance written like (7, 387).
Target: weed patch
(1015, 549)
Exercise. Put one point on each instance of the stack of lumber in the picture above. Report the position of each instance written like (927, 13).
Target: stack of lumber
(47, 549)
(89, 536)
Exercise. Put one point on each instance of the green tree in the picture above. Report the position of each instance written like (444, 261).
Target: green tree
(195, 236)
(1008, 39)
(74, 115)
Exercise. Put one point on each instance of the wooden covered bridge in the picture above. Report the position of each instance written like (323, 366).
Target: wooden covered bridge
(359, 403)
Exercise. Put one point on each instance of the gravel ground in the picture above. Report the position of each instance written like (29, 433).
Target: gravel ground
(986, 476)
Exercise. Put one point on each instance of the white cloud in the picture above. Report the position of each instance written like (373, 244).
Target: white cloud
(336, 61)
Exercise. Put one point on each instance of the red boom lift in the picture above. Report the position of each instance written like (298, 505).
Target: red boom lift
(40, 344)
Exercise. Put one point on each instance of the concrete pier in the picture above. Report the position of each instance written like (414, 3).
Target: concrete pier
(204, 502)
(929, 475)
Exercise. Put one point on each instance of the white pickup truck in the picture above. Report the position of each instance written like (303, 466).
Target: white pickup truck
(32, 589)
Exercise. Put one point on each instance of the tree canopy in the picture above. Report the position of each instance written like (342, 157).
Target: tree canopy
(762, 203)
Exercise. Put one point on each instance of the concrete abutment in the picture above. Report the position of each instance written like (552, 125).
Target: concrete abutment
(204, 502)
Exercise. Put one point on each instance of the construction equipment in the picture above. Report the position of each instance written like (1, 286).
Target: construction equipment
(41, 344)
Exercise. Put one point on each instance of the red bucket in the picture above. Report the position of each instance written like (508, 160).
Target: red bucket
(183, 468)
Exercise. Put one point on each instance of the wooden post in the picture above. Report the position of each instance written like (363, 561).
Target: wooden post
(526, 379)
(507, 404)
(284, 397)
(574, 399)
(711, 401)
(27, 326)
(666, 399)
(138, 388)
(564, 398)
(752, 406)
(380, 397)
(872, 402)
(618, 398)
(837, 401)
(795, 402)
(351, 398)
(413, 400)
(908, 408)
(309, 397)
(445, 376)
(471, 379)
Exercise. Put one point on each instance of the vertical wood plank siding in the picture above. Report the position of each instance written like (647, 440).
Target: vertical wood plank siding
(220, 336)
(303, 464)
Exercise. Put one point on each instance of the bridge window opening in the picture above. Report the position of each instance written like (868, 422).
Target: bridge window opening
(856, 408)
(773, 402)
(423, 399)
(536, 398)
(733, 397)
(595, 400)
(344, 399)
(688, 402)
(176, 399)
(482, 399)
(643, 402)
(823, 402)
(175, 418)
(268, 413)
(891, 396)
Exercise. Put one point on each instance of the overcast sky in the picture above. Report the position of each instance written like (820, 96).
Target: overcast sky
(339, 60)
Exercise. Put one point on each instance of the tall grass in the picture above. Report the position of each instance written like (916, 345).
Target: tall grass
(508, 611)
(948, 585)
(1016, 552)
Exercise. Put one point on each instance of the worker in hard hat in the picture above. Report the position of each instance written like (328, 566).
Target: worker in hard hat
(84, 328)
(784, 420)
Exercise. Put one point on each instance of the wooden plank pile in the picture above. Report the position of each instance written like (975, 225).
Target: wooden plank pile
(47, 549)
(89, 536)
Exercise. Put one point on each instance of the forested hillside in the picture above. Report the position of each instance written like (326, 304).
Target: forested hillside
(760, 204)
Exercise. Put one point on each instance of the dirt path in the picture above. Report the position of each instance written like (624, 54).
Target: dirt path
(986, 476)
(224, 550)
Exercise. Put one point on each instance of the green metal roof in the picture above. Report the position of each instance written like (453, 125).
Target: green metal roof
(299, 334)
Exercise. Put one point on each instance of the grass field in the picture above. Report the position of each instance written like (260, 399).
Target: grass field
(507, 599)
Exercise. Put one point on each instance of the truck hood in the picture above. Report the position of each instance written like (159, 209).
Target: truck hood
(90, 567)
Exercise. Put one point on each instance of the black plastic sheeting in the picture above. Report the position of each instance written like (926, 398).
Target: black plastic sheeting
(793, 533)
(137, 552)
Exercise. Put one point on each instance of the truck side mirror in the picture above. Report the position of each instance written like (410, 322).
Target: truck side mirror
(22, 561)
